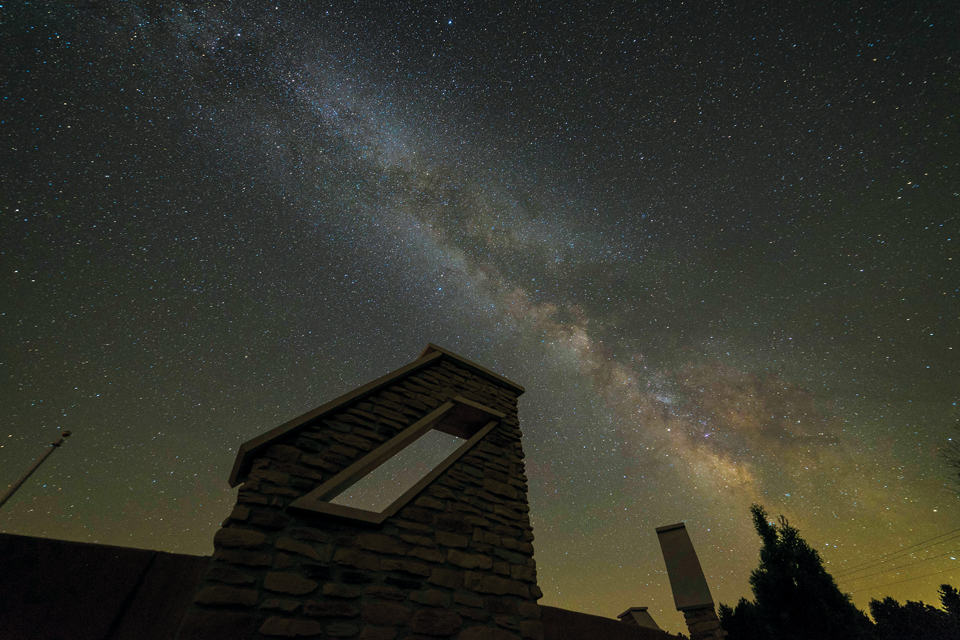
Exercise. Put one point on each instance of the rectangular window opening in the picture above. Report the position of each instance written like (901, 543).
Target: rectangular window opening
(381, 487)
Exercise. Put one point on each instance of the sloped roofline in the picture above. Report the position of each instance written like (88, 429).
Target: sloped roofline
(431, 354)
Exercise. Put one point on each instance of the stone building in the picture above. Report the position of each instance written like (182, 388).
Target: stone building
(449, 556)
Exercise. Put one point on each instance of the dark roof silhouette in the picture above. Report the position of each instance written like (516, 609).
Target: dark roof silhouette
(60, 590)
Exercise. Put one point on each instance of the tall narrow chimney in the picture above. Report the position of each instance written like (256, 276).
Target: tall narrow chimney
(691, 595)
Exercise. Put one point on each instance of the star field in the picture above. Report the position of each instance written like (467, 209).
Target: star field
(716, 244)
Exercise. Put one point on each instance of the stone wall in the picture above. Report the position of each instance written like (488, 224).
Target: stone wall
(703, 624)
(455, 562)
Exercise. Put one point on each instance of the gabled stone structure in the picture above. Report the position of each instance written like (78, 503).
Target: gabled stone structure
(452, 558)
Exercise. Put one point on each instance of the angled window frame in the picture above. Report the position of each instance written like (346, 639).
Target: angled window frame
(457, 417)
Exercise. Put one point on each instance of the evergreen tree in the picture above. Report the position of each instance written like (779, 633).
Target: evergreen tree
(794, 597)
(916, 620)
(950, 601)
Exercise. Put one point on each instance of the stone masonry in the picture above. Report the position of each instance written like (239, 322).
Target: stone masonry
(455, 562)
(703, 624)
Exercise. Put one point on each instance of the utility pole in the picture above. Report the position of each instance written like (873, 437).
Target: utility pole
(53, 445)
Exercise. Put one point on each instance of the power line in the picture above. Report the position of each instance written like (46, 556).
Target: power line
(904, 566)
(901, 555)
(860, 567)
(899, 581)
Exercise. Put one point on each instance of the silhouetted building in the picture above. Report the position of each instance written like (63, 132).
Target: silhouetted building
(315, 548)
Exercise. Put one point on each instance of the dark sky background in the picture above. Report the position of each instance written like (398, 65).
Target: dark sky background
(717, 244)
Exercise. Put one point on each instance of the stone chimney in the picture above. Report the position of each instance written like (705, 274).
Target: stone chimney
(450, 558)
(638, 616)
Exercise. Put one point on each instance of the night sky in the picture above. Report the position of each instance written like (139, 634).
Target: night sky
(717, 244)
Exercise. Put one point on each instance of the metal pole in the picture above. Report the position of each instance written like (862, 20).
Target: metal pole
(53, 445)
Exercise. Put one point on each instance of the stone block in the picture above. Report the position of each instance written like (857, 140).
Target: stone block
(391, 415)
(419, 540)
(357, 577)
(282, 453)
(380, 543)
(469, 599)
(469, 508)
(385, 614)
(240, 513)
(403, 583)
(340, 630)
(501, 568)
(246, 558)
(227, 596)
(416, 514)
(385, 593)
(411, 526)
(319, 463)
(476, 521)
(273, 477)
(377, 633)
(245, 497)
(527, 574)
(467, 560)
(331, 609)
(507, 622)
(406, 566)
(352, 440)
(217, 625)
(446, 578)
(501, 605)
(282, 561)
(510, 556)
(280, 491)
(479, 535)
(343, 450)
(229, 575)
(429, 503)
(335, 590)
(288, 583)
(453, 523)
(279, 604)
(508, 514)
(469, 613)
(440, 492)
(313, 535)
(235, 538)
(295, 546)
(300, 471)
(435, 622)
(430, 555)
(369, 434)
(358, 559)
(496, 585)
(269, 519)
(451, 539)
(319, 572)
(289, 628)
(430, 598)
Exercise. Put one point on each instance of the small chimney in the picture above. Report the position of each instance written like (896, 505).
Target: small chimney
(640, 617)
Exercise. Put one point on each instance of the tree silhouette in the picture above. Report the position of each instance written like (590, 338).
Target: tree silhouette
(916, 620)
(794, 597)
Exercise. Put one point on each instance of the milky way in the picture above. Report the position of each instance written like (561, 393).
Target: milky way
(718, 248)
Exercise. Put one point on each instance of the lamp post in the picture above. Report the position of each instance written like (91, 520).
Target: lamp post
(53, 445)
